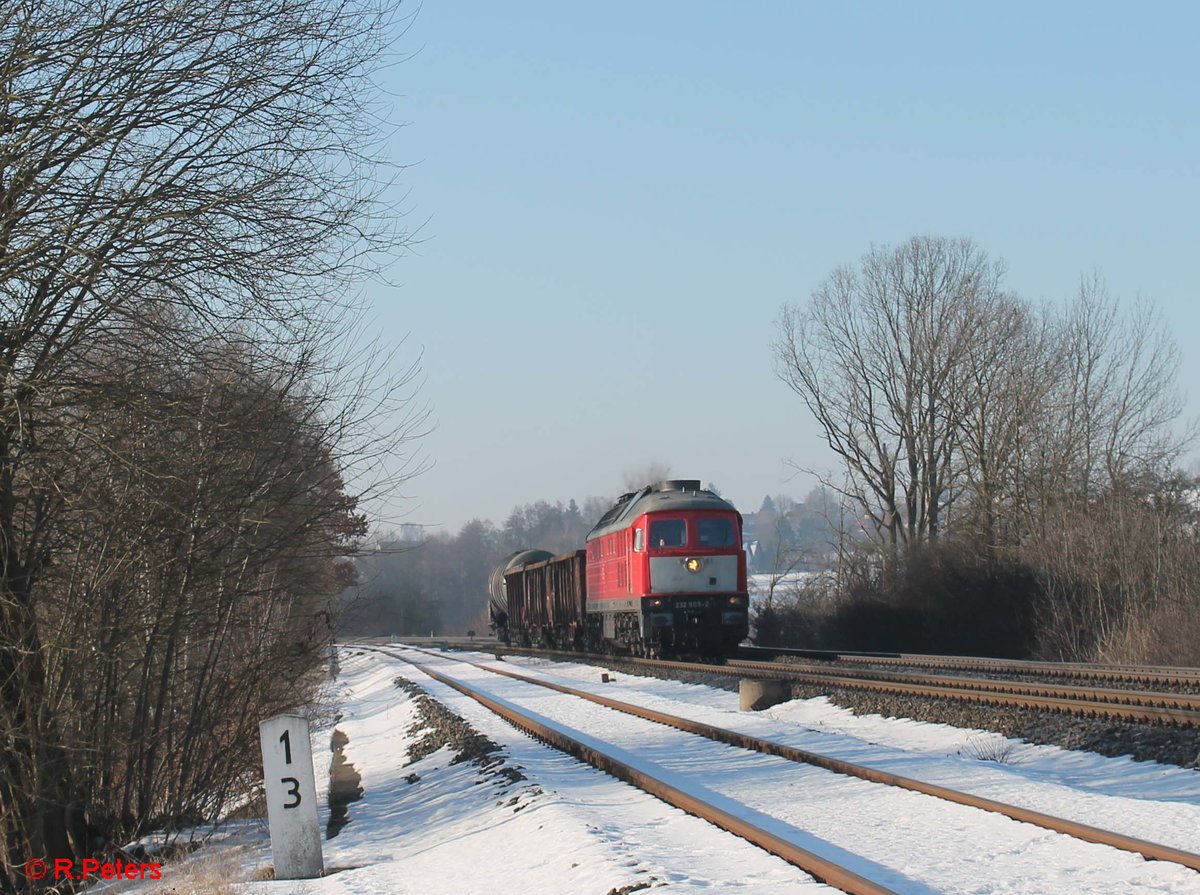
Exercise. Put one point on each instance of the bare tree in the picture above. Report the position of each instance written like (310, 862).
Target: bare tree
(875, 356)
(194, 567)
(214, 157)
(1043, 439)
(1000, 394)
(1103, 506)
(786, 555)
(1119, 395)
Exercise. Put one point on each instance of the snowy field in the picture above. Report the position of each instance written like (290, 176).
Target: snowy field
(437, 828)
(760, 583)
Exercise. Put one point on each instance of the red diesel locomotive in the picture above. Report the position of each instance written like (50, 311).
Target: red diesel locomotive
(663, 572)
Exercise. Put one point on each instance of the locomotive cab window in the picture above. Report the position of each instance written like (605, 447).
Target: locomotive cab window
(716, 533)
(639, 540)
(668, 533)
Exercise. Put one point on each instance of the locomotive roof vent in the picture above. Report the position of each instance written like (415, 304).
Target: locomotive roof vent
(676, 485)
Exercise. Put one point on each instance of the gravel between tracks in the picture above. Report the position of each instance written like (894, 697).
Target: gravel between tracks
(1143, 742)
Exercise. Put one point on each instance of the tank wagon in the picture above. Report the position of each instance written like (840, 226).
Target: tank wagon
(663, 571)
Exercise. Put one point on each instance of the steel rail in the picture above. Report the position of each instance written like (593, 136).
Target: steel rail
(1098, 670)
(999, 694)
(1086, 832)
(821, 869)
(1115, 696)
(1170, 674)
(1167, 674)
(979, 694)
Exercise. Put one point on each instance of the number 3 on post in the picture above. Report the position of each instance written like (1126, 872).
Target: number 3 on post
(293, 790)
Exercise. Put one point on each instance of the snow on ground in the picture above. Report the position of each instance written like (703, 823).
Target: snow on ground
(906, 841)
(459, 830)
(760, 583)
(567, 828)
(1146, 800)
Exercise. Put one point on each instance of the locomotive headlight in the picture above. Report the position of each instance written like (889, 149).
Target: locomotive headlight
(735, 601)
(693, 565)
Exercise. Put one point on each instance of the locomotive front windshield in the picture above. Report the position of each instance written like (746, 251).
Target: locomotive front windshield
(668, 533)
(707, 531)
(716, 533)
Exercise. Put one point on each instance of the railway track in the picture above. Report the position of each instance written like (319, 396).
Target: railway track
(735, 821)
(1135, 674)
(1140, 706)
(1126, 705)
(817, 866)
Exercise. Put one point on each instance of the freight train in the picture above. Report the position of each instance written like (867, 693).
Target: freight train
(663, 572)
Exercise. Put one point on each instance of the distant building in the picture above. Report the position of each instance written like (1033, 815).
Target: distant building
(750, 535)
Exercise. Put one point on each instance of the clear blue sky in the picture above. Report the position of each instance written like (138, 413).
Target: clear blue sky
(617, 198)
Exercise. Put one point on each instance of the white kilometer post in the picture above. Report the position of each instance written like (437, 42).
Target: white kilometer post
(291, 797)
